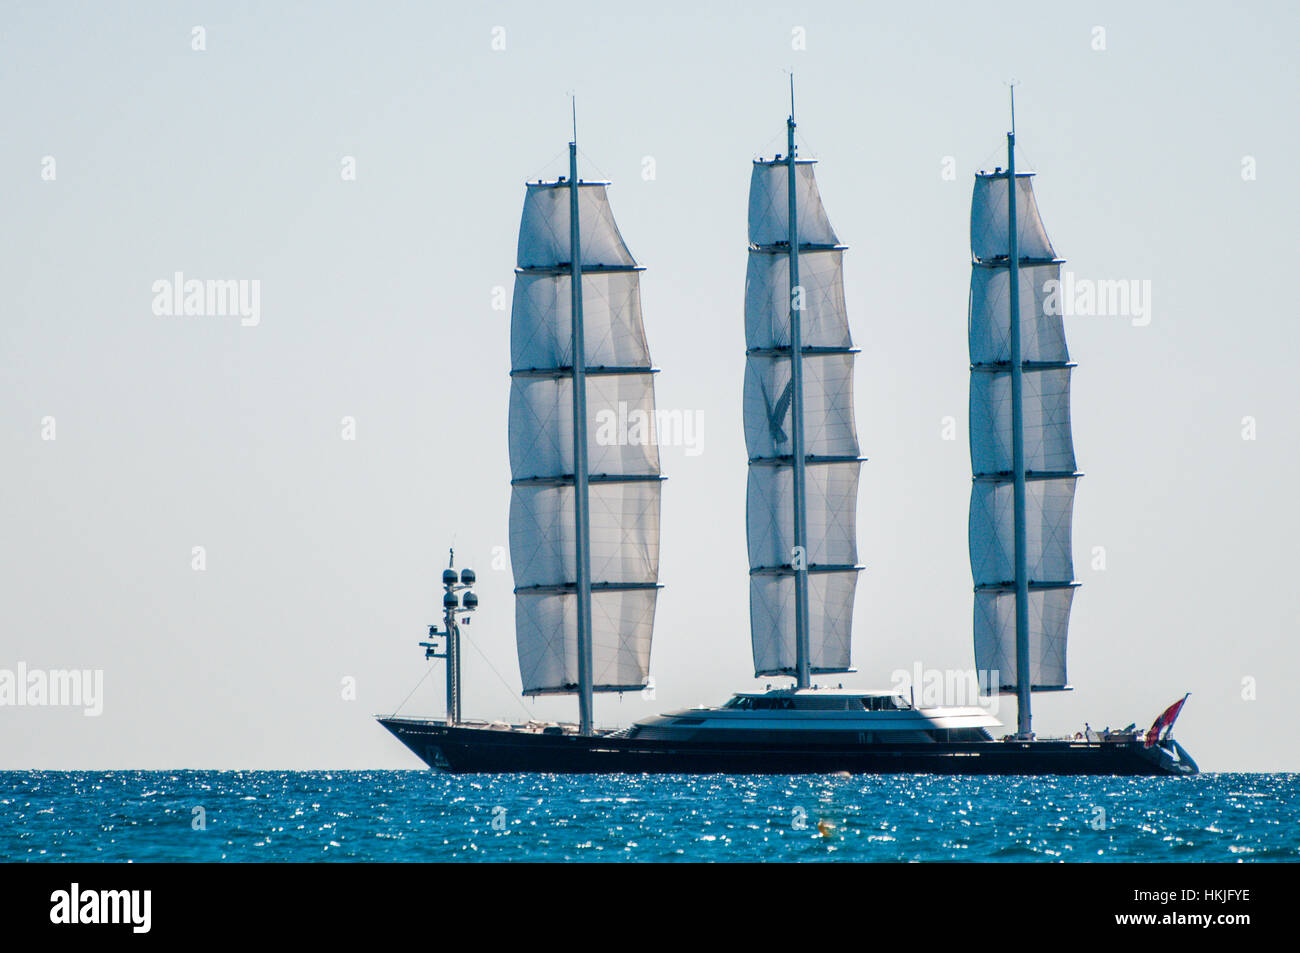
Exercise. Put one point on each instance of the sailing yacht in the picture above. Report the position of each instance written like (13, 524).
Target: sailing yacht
(584, 518)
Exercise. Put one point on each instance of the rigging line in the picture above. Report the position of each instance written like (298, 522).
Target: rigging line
(542, 171)
(429, 672)
(765, 152)
(991, 158)
(996, 158)
(500, 679)
(1028, 165)
(811, 153)
(592, 162)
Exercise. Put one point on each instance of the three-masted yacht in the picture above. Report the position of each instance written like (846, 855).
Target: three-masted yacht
(584, 518)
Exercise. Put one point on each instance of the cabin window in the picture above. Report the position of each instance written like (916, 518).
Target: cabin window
(960, 734)
(771, 704)
(880, 703)
(749, 703)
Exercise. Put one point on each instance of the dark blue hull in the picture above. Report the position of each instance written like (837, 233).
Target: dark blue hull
(486, 750)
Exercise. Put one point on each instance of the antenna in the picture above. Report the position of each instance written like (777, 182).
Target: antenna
(573, 100)
(789, 126)
(453, 604)
(1012, 84)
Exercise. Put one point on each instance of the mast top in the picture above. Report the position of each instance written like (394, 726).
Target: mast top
(790, 122)
(1012, 86)
(573, 101)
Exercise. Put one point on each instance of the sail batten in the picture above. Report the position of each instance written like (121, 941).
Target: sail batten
(621, 479)
(1042, 428)
(831, 461)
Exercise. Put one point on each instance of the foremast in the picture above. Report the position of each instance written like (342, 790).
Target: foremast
(584, 509)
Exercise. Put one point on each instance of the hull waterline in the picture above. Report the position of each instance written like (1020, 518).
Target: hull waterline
(467, 750)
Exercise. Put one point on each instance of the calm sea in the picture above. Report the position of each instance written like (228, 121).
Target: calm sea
(421, 816)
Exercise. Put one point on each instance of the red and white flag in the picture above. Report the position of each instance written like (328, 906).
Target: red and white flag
(1166, 720)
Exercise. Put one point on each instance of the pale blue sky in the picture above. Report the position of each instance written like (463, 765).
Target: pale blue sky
(376, 303)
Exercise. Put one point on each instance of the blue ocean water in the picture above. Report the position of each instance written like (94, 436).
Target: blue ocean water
(422, 816)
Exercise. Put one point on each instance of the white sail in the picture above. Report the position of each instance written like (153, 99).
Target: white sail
(624, 533)
(1048, 447)
(544, 231)
(831, 504)
(988, 219)
(1049, 505)
(1042, 334)
(995, 638)
(771, 620)
(830, 432)
(824, 320)
(621, 439)
(546, 631)
(613, 334)
(829, 427)
(622, 450)
(769, 206)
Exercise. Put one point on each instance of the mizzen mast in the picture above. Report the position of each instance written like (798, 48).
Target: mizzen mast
(1022, 451)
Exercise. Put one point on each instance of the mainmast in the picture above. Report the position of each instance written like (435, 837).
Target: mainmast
(1023, 688)
(580, 500)
(799, 470)
(800, 434)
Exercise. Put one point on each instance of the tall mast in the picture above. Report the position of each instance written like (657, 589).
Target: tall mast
(802, 668)
(584, 513)
(580, 502)
(1023, 687)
